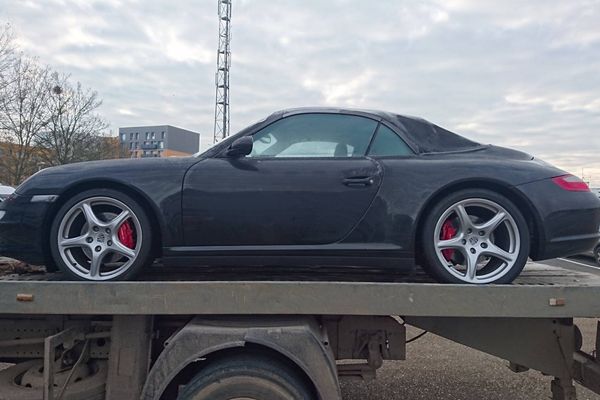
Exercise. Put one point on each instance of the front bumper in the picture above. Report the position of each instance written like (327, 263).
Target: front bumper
(22, 229)
(568, 222)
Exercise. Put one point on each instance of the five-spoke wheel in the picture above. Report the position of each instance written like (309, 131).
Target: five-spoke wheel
(100, 235)
(475, 236)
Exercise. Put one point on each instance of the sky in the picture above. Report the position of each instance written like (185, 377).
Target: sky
(520, 74)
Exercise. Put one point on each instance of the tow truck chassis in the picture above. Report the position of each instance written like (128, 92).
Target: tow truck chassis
(144, 339)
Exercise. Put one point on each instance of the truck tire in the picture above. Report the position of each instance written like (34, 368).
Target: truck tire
(475, 236)
(247, 376)
(101, 235)
(91, 387)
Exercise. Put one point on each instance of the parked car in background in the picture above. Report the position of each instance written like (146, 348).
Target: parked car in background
(595, 253)
(5, 191)
(308, 187)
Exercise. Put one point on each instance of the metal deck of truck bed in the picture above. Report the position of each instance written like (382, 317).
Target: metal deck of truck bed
(541, 292)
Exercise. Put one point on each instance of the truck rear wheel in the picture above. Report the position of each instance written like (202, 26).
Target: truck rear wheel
(247, 376)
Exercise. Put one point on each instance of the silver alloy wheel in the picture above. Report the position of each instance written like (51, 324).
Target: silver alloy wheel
(478, 240)
(88, 239)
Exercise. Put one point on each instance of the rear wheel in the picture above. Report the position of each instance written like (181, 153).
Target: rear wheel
(475, 236)
(101, 235)
(247, 377)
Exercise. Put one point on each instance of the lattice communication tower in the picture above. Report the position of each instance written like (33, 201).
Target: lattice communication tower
(221, 129)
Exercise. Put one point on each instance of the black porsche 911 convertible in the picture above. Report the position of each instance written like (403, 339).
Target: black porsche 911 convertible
(307, 187)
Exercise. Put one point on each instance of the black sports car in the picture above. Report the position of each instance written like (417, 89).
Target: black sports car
(307, 187)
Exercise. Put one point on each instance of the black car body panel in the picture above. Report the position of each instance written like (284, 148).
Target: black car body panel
(212, 209)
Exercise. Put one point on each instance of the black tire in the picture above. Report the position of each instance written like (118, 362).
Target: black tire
(251, 375)
(144, 254)
(597, 255)
(431, 262)
(90, 388)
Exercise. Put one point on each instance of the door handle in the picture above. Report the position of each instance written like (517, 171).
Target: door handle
(359, 181)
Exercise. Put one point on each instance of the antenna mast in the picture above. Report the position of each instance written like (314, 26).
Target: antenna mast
(221, 129)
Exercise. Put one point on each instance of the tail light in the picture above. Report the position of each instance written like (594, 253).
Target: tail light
(571, 183)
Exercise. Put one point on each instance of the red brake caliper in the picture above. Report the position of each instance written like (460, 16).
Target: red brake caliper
(126, 235)
(448, 232)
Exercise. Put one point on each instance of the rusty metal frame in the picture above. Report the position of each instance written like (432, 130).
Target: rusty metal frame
(370, 338)
(67, 338)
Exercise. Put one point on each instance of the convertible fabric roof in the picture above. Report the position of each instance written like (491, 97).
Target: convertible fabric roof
(429, 137)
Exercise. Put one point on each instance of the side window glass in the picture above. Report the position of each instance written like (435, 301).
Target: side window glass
(315, 135)
(263, 142)
(387, 143)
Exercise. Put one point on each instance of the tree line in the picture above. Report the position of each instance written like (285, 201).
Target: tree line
(45, 118)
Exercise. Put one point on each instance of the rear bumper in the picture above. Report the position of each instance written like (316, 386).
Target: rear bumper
(22, 229)
(568, 222)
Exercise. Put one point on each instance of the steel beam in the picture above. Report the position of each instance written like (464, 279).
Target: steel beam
(129, 359)
(305, 298)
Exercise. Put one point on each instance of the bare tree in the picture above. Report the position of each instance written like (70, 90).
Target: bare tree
(74, 127)
(45, 119)
(23, 115)
(6, 53)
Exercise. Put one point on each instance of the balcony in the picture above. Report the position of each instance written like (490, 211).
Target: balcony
(149, 146)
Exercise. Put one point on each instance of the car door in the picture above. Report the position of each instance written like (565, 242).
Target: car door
(306, 182)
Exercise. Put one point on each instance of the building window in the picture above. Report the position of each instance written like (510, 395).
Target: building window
(147, 135)
(162, 145)
(137, 135)
(153, 137)
(123, 137)
(131, 136)
(162, 135)
(131, 146)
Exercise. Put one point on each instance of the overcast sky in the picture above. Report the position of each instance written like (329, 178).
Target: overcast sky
(513, 74)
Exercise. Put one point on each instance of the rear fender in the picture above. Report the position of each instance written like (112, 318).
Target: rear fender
(298, 339)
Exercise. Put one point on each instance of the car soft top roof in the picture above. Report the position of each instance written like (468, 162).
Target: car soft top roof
(427, 137)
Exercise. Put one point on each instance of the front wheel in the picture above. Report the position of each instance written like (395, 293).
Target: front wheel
(101, 235)
(475, 236)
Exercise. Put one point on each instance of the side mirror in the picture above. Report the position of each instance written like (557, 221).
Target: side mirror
(240, 147)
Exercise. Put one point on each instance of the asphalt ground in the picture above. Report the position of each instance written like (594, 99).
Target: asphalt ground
(436, 368)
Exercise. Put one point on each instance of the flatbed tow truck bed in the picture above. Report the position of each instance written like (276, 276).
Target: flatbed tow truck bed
(143, 332)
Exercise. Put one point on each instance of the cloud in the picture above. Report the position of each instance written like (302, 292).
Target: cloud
(521, 74)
